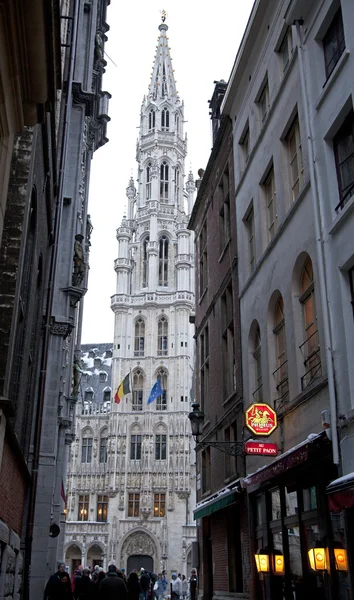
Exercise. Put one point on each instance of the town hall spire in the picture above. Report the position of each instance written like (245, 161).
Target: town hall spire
(162, 83)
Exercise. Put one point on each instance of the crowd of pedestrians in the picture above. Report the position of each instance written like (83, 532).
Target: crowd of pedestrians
(95, 584)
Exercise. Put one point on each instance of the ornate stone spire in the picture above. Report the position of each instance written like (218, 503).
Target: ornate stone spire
(162, 83)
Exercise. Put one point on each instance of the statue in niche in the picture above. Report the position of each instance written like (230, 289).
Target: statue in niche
(77, 373)
(79, 261)
(99, 52)
(95, 448)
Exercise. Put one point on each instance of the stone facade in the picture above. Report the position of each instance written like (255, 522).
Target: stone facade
(148, 476)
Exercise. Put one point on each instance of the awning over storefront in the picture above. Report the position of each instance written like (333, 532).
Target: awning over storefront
(288, 460)
(341, 493)
(222, 499)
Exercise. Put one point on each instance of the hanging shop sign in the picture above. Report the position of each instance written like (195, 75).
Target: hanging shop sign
(261, 419)
(262, 448)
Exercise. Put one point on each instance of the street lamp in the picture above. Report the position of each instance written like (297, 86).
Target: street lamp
(196, 418)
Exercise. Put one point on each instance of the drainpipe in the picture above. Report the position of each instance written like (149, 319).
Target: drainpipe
(48, 312)
(317, 197)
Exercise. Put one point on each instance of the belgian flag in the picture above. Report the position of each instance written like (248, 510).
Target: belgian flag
(123, 389)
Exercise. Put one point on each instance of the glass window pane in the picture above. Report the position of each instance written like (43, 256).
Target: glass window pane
(295, 552)
(276, 509)
(291, 503)
(309, 498)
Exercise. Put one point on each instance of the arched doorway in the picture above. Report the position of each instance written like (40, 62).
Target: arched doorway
(94, 556)
(136, 561)
(73, 557)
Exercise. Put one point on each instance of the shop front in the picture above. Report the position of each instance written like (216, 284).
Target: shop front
(299, 547)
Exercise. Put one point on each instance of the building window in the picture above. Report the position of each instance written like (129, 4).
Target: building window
(135, 447)
(139, 340)
(159, 505)
(148, 182)
(286, 50)
(281, 372)
(351, 285)
(133, 505)
(245, 143)
(145, 263)
(343, 146)
(270, 198)
(151, 120)
(203, 259)
(102, 377)
(83, 509)
(310, 347)
(164, 181)
(251, 240)
(206, 470)
(162, 337)
(102, 508)
(138, 387)
(177, 124)
(107, 395)
(230, 435)
(177, 184)
(333, 43)
(263, 102)
(163, 261)
(165, 119)
(160, 447)
(89, 395)
(86, 450)
(224, 210)
(295, 159)
(228, 344)
(103, 450)
(161, 401)
(257, 362)
(204, 365)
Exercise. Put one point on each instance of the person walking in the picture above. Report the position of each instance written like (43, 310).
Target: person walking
(84, 587)
(160, 587)
(144, 583)
(113, 587)
(193, 583)
(133, 585)
(53, 588)
(176, 587)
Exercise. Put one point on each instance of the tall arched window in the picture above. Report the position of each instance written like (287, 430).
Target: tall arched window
(161, 401)
(165, 119)
(281, 372)
(145, 278)
(177, 183)
(151, 119)
(164, 181)
(138, 387)
(162, 337)
(148, 182)
(177, 124)
(86, 448)
(139, 338)
(163, 261)
(310, 346)
(103, 446)
(257, 356)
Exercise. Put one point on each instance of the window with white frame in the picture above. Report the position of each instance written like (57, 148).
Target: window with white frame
(333, 43)
(163, 261)
(133, 505)
(139, 338)
(86, 449)
(293, 140)
(165, 119)
(145, 257)
(162, 337)
(138, 390)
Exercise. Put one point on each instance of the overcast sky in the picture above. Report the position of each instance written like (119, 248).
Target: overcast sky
(204, 39)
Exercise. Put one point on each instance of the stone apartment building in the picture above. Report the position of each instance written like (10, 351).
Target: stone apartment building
(131, 504)
(290, 102)
(53, 118)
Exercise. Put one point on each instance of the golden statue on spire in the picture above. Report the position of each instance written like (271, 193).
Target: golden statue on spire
(163, 15)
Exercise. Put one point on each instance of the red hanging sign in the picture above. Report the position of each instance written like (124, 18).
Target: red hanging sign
(261, 448)
(261, 419)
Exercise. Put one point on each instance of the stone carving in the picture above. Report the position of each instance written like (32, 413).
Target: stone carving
(140, 543)
(79, 262)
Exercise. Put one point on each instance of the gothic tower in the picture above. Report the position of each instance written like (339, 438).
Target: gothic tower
(153, 487)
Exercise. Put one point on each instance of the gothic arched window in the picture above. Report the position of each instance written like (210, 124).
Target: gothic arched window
(177, 124)
(161, 401)
(138, 388)
(148, 182)
(163, 261)
(139, 338)
(145, 278)
(164, 181)
(162, 337)
(281, 371)
(177, 183)
(165, 119)
(151, 119)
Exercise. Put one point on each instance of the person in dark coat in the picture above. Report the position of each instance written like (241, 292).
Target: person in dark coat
(53, 589)
(65, 587)
(113, 587)
(145, 583)
(133, 586)
(84, 587)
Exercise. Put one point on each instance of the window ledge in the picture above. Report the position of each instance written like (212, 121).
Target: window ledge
(203, 294)
(302, 397)
(332, 78)
(342, 216)
(224, 250)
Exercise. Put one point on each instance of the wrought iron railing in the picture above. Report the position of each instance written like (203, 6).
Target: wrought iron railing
(258, 394)
(312, 360)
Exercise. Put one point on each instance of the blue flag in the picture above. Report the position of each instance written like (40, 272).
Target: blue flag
(155, 392)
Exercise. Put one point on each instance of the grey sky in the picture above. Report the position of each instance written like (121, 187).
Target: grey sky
(204, 39)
